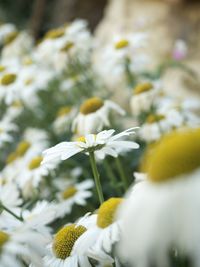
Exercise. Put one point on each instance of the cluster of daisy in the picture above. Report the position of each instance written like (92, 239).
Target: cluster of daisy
(99, 165)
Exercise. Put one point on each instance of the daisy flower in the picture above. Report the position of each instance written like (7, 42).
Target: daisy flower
(144, 95)
(64, 119)
(72, 193)
(10, 195)
(33, 171)
(5, 30)
(6, 128)
(169, 201)
(94, 115)
(104, 143)
(21, 245)
(61, 251)
(100, 238)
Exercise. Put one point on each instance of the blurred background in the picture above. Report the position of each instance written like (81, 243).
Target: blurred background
(41, 15)
(165, 21)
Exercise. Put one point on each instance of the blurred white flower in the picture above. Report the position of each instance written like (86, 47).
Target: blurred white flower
(161, 215)
(94, 115)
(71, 193)
(143, 98)
(6, 130)
(10, 195)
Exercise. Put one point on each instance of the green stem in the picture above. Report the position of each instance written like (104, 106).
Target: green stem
(122, 174)
(12, 213)
(96, 177)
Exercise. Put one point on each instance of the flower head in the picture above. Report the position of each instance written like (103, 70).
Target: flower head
(103, 143)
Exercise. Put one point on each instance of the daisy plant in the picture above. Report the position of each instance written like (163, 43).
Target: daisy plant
(96, 146)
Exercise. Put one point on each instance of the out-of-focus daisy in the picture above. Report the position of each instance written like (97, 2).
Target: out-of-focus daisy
(33, 172)
(94, 115)
(104, 143)
(144, 95)
(61, 250)
(121, 51)
(6, 128)
(157, 125)
(9, 87)
(169, 201)
(5, 30)
(17, 45)
(64, 119)
(10, 195)
(72, 193)
(21, 245)
(104, 234)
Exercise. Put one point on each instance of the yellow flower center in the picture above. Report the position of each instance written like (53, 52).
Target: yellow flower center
(22, 148)
(35, 163)
(11, 37)
(8, 78)
(122, 44)
(177, 153)
(2, 68)
(154, 118)
(11, 157)
(67, 46)
(91, 105)
(16, 104)
(55, 33)
(81, 139)
(4, 237)
(64, 111)
(142, 88)
(107, 212)
(69, 192)
(27, 61)
(65, 239)
(29, 81)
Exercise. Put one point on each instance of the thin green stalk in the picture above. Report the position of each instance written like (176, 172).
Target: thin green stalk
(12, 213)
(122, 174)
(96, 177)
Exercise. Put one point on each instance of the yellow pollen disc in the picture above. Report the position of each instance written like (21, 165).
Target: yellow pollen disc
(4, 237)
(81, 139)
(154, 118)
(2, 68)
(69, 192)
(55, 33)
(35, 163)
(67, 47)
(122, 44)
(11, 157)
(64, 111)
(141, 88)
(107, 212)
(29, 81)
(16, 104)
(8, 78)
(175, 154)
(65, 239)
(22, 148)
(11, 37)
(91, 105)
(27, 61)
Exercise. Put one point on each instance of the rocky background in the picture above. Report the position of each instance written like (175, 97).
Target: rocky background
(165, 21)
